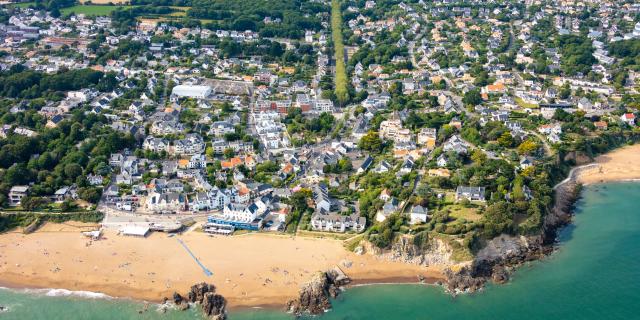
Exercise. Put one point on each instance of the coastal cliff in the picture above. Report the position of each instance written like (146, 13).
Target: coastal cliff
(497, 257)
(436, 252)
(500, 255)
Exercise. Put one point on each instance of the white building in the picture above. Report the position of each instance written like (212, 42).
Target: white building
(324, 105)
(419, 214)
(188, 91)
(16, 194)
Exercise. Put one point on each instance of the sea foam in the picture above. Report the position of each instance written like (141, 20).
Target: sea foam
(68, 293)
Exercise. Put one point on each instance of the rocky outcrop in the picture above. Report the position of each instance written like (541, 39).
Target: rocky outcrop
(578, 157)
(197, 292)
(501, 255)
(314, 295)
(435, 252)
(462, 280)
(213, 305)
(180, 301)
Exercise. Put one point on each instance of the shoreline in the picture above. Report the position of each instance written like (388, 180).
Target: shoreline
(266, 277)
(503, 254)
(619, 165)
(252, 270)
(276, 306)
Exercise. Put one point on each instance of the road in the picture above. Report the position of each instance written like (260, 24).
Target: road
(547, 149)
(411, 46)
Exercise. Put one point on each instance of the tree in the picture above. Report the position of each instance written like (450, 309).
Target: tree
(527, 147)
(478, 157)
(30, 203)
(423, 190)
(497, 219)
(506, 139)
(565, 91)
(299, 199)
(229, 153)
(518, 191)
(67, 206)
(17, 174)
(472, 97)
(345, 165)
(210, 152)
(370, 142)
(472, 135)
(72, 170)
(90, 194)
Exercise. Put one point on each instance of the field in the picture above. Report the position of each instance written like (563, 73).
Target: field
(21, 4)
(106, 1)
(92, 10)
(523, 104)
(461, 212)
(177, 15)
(341, 73)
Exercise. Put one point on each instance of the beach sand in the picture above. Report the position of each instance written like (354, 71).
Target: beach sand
(619, 165)
(256, 269)
(249, 270)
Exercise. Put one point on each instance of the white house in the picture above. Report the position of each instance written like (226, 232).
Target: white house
(335, 222)
(419, 214)
(470, 193)
(16, 194)
(629, 118)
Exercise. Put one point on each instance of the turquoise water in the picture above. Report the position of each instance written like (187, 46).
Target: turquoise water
(595, 274)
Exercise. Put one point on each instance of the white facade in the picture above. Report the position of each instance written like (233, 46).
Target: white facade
(199, 92)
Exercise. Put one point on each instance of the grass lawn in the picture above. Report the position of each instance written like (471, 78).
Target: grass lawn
(92, 10)
(21, 4)
(105, 1)
(181, 8)
(338, 46)
(170, 17)
(324, 235)
(523, 104)
(460, 212)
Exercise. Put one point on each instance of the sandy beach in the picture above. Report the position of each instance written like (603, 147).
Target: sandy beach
(249, 270)
(619, 165)
(256, 269)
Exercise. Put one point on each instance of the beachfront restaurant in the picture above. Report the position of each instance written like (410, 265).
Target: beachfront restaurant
(254, 225)
(216, 228)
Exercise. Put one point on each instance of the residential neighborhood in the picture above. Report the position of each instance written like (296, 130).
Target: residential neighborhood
(189, 158)
(450, 109)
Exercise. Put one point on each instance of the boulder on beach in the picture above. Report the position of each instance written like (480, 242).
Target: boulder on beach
(314, 295)
(213, 305)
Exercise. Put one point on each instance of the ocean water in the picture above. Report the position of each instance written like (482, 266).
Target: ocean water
(595, 274)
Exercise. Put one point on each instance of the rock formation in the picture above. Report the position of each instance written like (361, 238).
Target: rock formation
(436, 252)
(196, 294)
(314, 295)
(501, 254)
(213, 305)
(462, 281)
(180, 301)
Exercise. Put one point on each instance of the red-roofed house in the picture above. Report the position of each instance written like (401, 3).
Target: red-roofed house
(629, 118)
